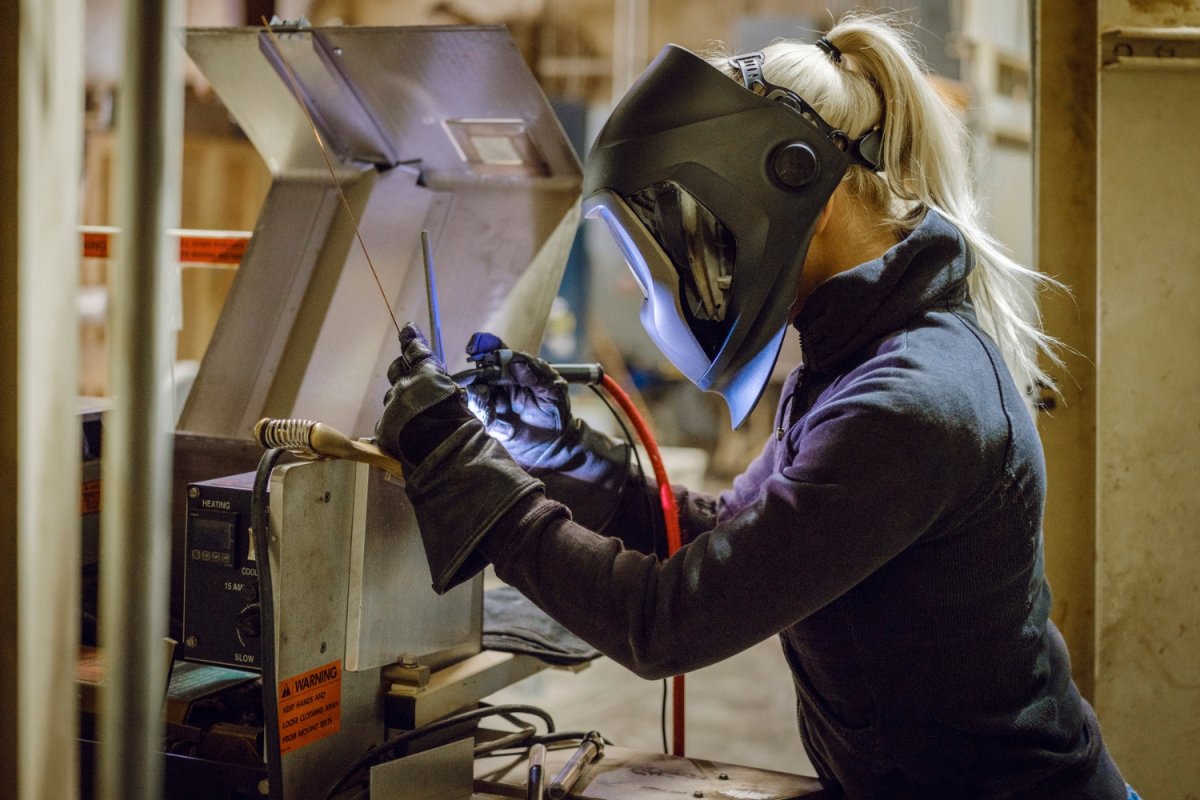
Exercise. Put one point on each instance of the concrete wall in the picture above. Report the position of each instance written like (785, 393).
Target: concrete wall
(1148, 415)
(1118, 187)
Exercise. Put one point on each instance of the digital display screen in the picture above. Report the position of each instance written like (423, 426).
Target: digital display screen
(213, 534)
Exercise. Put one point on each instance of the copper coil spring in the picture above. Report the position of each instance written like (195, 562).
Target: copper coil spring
(292, 434)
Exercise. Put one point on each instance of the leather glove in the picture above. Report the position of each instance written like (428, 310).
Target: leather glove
(460, 481)
(529, 410)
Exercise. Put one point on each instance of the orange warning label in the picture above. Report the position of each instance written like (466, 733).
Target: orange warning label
(310, 706)
(211, 249)
(90, 500)
(95, 245)
(227, 249)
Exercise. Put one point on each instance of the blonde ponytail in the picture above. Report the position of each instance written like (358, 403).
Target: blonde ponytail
(880, 81)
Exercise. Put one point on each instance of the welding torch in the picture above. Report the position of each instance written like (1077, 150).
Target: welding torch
(492, 368)
(311, 439)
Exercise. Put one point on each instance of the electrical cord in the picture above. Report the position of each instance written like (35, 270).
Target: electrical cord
(670, 509)
(380, 752)
(519, 737)
(662, 716)
(631, 452)
(637, 456)
(266, 607)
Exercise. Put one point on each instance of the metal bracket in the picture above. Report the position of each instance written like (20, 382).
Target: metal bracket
(1151, 47)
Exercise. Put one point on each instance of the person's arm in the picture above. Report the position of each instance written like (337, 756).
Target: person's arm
(872, 477)
(638, 517)
(528, 409)
(876, 468)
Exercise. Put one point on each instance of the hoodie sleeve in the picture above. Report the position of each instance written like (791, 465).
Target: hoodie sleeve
(874, 472)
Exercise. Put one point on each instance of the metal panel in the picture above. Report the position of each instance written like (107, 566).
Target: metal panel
(630, 775)
(443, 773)
(262, 309)
(346, 124)
(484, 166)
(393, 612)
(311, 509)
(1148, 440)
(263, 105)
(417, 80)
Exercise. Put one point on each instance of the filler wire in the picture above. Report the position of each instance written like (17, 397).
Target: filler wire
(299, 95)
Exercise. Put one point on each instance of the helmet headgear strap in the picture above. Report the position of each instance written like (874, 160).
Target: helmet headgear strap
(866, 150)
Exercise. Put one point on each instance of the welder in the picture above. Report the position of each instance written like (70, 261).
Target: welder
(890, 530)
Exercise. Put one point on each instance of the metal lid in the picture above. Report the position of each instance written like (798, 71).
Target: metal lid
(432, 128)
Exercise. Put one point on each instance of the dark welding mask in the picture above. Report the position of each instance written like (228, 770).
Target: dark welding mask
(711, 189)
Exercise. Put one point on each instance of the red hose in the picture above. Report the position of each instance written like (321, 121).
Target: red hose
(674, 536)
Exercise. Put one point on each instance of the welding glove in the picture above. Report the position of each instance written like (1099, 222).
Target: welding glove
(528, 409)
(459, 479)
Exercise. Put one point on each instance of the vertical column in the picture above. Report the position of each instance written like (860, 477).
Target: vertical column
(1117, 83)
(1065, 244)
(1148, 382)
(136, 537)
(40, 153)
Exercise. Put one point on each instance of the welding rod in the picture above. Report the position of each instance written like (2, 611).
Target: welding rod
(435, 319)
(590, 749)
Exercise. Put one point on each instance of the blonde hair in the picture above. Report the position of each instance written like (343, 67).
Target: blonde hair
(879, 81)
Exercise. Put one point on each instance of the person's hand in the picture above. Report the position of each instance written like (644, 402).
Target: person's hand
(459, 480)
(423, 405)
(528, 408)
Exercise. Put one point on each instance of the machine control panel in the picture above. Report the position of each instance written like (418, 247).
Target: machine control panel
(220, 602)
(211, 538)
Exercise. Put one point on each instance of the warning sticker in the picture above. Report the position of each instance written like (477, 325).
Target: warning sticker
(95, 244)
(310, 706)
(212, 249)
(90, 497)
(220, 248)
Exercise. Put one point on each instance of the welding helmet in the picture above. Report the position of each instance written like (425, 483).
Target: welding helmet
(711, 188)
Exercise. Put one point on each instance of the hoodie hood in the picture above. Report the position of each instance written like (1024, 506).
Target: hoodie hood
(853, 308)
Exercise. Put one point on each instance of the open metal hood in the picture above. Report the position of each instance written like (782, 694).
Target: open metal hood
(435, 128)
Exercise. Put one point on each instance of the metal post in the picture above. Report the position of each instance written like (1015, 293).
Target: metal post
(41, 70)
(137, 446)
(1065, 233)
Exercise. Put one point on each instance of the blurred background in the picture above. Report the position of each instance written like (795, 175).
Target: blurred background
(584, 53)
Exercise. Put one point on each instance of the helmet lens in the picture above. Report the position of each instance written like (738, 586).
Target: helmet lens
(701, 249)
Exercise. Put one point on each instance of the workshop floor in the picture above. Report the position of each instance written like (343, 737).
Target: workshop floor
(740, 711)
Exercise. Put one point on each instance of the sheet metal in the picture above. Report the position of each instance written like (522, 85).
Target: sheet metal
(438, 128)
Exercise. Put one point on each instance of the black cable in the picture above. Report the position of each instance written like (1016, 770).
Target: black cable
(637, 455)
(515, 739)
(663, 717)
(650, 516)
(631, 449)
(381, 750)
(266, 610)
